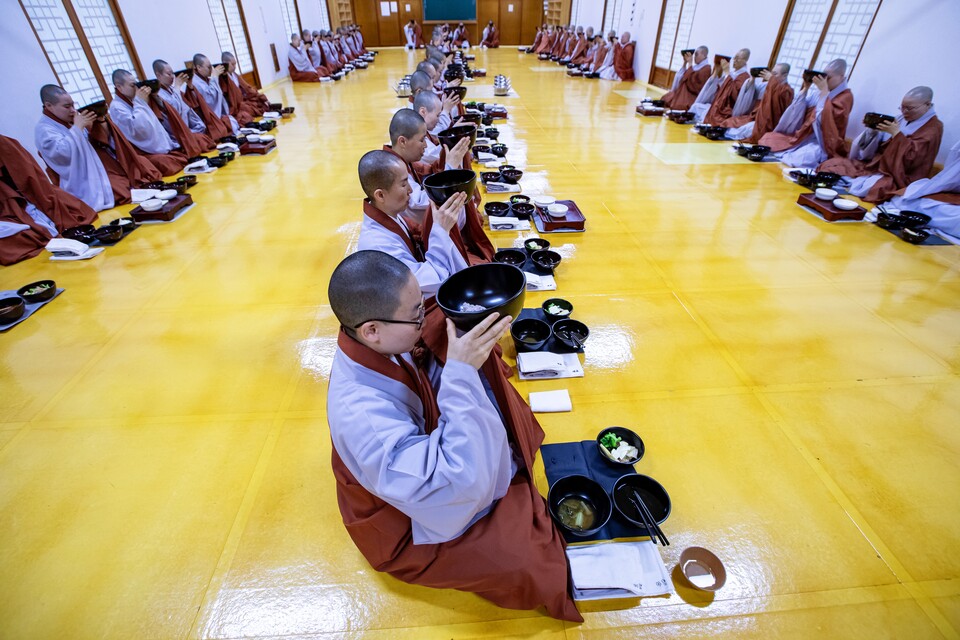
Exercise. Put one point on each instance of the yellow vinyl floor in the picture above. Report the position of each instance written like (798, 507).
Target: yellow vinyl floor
(165, 458)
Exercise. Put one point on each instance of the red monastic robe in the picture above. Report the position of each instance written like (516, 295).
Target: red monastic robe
(417, 35)
(546, 42)
(579, 46)
(536, 42)
(255, 100)
(193, 144)
(125, 168)
(623, 61)
(22, 181)
(722, 106)
(689, 88)
(217, 127)
(168, 164)
(460, 36)
(599, 56)
(904, 159)
(560, 44)
(234, 97)
(776, 98)
(833, 123)
(492, 41)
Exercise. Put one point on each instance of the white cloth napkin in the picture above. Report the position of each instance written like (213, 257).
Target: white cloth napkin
(228, 146)
(502, 187)
(484, 157)
(140, 195)
(544, 364)
(498, 223)
(66, 249)
(249, 130)
(618, 570)
(272, 114)
(550, 401)
(540, 283)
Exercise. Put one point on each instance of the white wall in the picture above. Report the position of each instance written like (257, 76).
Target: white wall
(726, 27)
(266, 26)
(644, 31)
(911, 43)
(156, 36)
(590, 15)
(310, 16)
(23, 72)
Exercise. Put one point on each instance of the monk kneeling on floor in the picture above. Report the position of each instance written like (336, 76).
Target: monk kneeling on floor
(432, 469)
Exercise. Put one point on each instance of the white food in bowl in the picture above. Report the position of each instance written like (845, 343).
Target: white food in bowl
(826, 194)
(266, 138)
(557, 210)
(253, 138)
(845, 205)
(543, 201)
(167, 194)
(153, 204)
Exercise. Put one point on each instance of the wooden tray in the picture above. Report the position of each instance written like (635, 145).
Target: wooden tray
(257, 148)
(650, 111)
(827, 210)
(167, 213)
(573, 220)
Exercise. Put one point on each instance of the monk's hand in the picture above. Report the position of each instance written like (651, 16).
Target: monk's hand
(473, 347)
(217, 71)
(459, 150)
(766, 75)
(448, 102)
(889, 127)
(84, 119)
(821, 84)
(143, 92)
(456, 82)
(180, 80)
(446, 215)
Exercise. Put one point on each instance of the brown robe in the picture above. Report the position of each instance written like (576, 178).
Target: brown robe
(623, 61)
(776, 98)
(599, 56)
(417, 35)
(22, 181)
(492, 41)
(125, 166)
(255, 100)
(579, 46)
(217, 127)
(560, 44)
(689, 88)
(462, 36)
(903, 160)
(546, 42)
(168, 164)
(722, 106)
(193, 144)
(833, 123)
(536, 42)
(302, 76)
(234, 97)
(513, 556)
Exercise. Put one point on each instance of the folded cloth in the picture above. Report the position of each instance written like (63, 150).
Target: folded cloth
(272, 114)
(483, 156)
(66, 249)
(550, 401)
(502, 187)
(618, 570)
(498, 223)
(540, 283)
(228, 146)
(249, 130)
(495, 164)
(545, 364)
(140, 195)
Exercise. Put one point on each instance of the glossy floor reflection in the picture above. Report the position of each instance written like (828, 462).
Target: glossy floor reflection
(164, 456)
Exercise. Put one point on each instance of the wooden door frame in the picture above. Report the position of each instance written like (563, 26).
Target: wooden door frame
(246, 36)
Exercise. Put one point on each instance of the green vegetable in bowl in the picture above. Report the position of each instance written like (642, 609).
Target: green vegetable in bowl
(556, 310)
(610, 441)
(40, 288)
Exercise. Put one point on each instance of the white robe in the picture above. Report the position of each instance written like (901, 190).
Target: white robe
(313, 51)
(213, 96)
(444, 482)
(68, 152)
(606, 70)
(141, 126)
(866, 146)
(299, 59)
(443, 257)
(809, 153)
(945, 217)
(174, 98)
(411, 38)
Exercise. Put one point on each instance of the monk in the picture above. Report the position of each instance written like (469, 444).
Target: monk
(886, 160)
(600, 50)
(314, 54)
(541, 31)
(410, 33)
(575, 48)
(418, 36)
(207, 84)
(621, 68)
(461, 37)
(491, 36)
(32, 211)
(331, 58)
(689, 80)
(181, 121)
(937, 197)
(298, 62)
(560, 42)
(604, 64)
(547, 35)
(132, 115)
(253, 100)
(823, 125)
(585, 53)
(434, 478)
(63, 139)
(776, 94)
(429, 106)
(735, 96)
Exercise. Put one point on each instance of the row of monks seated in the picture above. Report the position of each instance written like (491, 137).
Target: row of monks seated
(585, 54)
(323, 56)
(443, 494)
(94, 158)
(806, 128)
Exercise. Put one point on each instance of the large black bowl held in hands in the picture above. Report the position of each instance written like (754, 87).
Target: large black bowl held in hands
(579, 505)
(450, 137)
(469, 296)
(440, 186)
(649, 490)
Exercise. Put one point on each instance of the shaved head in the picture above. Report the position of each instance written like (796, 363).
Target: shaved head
(782, 69)
(920, 94)
(120, 76)
(426, 100)
(199, 59)
(365, 286)
(159, 66)
(226, 57)
(427, 67)
(420, 81)
(51, 93)
(702, 50)
(837, 67)
(378, 170)
(406, 123)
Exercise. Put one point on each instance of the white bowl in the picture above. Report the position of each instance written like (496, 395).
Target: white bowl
(167, 194)
(845, 205)
(266, 138)
(826, 194)
(253, 138)
(557, 210)
(153, 204)
(543, 201)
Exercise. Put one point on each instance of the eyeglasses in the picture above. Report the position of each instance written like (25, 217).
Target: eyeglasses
(421, 312)
(904, 109)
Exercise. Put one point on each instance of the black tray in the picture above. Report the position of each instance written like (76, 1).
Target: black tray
(932, 241)
(554, 344)
(582, 458)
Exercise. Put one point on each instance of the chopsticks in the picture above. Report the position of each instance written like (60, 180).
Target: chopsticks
(653, 529)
